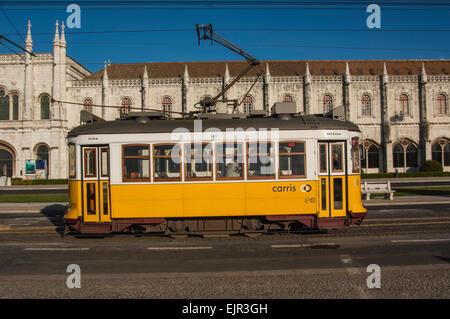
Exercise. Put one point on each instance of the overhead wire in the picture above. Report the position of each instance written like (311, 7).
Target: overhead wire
(114, 106)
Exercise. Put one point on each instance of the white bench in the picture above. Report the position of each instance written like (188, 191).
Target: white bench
(378, 188)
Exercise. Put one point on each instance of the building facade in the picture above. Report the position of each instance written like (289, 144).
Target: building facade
(401, 106)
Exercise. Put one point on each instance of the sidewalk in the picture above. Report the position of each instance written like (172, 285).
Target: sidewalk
(32, 208)
(408, 179)
(33, 187)
(408, 200)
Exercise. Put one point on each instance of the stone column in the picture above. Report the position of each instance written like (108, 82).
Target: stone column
(346, 92)
(184, 90)
(144, 90)
(105, 94)
(425, 142)
(307, 91)
(386, 143)
(266, 87)
(26, 111)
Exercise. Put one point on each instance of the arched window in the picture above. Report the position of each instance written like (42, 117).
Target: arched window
(6, 161)
(411, 155)
(4, 106)
(440, 152)
(436, 152)
(405, 154)
(15, 107)
(42, 159)
(399, 156)
(404, 105)
(248, 105)
(288, 98)
(45, 107)
(126, 106)
(447, 154)
(327, 103)
(371, 155)
(88, 105)
(441, 104)
(167, 106)
(366, 105)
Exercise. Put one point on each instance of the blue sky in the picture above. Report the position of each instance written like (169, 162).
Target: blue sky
(334, 32)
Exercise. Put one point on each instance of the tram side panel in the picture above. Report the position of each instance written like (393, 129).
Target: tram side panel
(213, 199)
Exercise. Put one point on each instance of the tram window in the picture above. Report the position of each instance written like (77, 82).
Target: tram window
(337, 196)
(90, 199)
(72, 161)
(198, 161)
(167, 161)
(323, 158)
(136, 161)
(260, 160)
(229, 161)
(90, 162)
(337, 156)
(355, 155)
(292, 159)
(104, 162)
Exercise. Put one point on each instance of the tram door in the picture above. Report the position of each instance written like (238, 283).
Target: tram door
(332, 173)
(96, 202)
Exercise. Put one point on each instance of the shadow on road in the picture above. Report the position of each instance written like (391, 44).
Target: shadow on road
(55, 214)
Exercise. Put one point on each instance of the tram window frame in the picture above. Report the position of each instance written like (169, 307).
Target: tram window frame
(272, 155)
(236, 156)
(72, 161)
(143, 157)
(323, 169)
(102, 150)
(356, 155)
(155, 157)
(291, 154)
(86, 175)
(333, 170)
(192, 156)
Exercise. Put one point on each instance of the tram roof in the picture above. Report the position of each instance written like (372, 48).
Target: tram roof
(130, 126)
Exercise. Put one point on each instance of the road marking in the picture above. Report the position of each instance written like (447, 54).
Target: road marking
(181, 248)
(304, 245)
(288, 246)
(347, 260)
(419, 240)
(406, 203)
(403, 224)
(401, 219)
(56, 249)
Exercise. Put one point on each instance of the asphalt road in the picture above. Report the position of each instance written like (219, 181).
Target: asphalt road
(410, 244)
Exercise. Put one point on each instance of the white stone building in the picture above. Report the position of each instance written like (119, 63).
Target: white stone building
(401, 106)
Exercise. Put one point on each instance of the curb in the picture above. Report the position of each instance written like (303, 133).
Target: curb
(21, 211)
(405, 203)
(6, 229)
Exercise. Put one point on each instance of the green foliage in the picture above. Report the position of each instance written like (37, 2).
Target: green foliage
(431, 166)
(34, 198)
(19, 181)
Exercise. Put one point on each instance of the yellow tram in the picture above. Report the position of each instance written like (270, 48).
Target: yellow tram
(236, 174)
